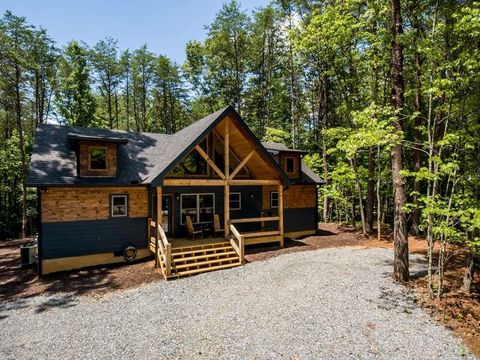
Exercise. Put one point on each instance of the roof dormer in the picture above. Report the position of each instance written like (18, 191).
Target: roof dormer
(96, 155)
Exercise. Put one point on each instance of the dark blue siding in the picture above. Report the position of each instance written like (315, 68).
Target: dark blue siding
(299, 219)
(76, 238)
(251, 204)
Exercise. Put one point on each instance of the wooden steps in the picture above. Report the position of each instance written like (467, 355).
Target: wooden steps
(196, 259)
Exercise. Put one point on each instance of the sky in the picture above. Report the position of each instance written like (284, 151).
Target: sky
(164, 25)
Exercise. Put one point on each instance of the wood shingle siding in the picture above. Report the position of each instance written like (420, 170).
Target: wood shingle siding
(296, 165)
(296, 196)
(89, 203)
(111, 158)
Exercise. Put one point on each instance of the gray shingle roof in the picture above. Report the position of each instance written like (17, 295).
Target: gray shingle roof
(142, 158)
(311, 175)
(308, 175)
(280, 147)
(54, 161)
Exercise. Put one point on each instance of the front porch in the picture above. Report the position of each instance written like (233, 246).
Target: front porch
(232, 161)
(176, 257)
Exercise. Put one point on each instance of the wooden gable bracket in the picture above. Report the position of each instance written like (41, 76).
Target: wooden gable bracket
(242, 164)
(210, 162)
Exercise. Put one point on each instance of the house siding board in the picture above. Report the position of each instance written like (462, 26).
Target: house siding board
(251, 207)
(89, 203)
(111, 158)
(295, 196)
(299, 219)
(76, 238)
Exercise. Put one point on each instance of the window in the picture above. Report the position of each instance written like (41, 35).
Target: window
(200, 207)
(118, 205)
(273, 199)
(235, 201)
(98, 158)
(290, 165)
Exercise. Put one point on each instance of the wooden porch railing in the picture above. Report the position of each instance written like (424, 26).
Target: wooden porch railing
(258, 219)
(238, 243)
(161, 247)
(256, 237)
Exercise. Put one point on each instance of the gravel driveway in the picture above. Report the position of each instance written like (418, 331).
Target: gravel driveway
(324, 304)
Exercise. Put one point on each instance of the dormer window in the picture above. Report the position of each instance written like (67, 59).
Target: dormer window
(289, 165)
(98, 158)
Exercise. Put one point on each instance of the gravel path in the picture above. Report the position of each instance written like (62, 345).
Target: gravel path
(324, 304)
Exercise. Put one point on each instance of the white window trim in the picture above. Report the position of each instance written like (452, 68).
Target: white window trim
(126, 205)
(271, 199)
(197, 208)
(239, 201)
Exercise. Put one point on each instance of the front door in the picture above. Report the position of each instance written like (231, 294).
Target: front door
(167, 214)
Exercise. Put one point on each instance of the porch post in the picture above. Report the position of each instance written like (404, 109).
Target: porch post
(280, 212)
(158, 223)
(226, 195)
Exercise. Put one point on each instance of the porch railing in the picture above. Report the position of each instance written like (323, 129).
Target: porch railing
(163, 249)
(261, 220)
(238, 243)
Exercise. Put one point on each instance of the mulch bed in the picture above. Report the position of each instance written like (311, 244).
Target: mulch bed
(17, 283)
(329, 235)
(456, 309)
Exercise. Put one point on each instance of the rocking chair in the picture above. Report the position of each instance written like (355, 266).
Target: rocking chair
(216, 225)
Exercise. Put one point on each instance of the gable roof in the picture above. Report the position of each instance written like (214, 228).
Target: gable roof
(142, 158)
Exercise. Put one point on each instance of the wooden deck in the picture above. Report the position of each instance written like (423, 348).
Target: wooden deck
(177, 257)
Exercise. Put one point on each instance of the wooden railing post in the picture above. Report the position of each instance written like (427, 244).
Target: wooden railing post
(157, 239)
(280, 212)
(168, 262)
(226, 192)
(241, 245)
(149, 232)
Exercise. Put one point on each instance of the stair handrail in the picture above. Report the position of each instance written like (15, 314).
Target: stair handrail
(240, 247)
(165, 249)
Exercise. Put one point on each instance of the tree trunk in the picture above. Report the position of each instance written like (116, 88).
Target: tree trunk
(400, 271)
(379, 197)
(324, 105)
(21, 144)
(370, 193)
(359, 191)
(469, 275)
(417, 134)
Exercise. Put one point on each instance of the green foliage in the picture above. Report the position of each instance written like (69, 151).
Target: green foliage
(75, 100)
(277, 136)
(310, 74)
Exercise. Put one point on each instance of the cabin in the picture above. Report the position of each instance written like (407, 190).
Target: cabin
(193, 199)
